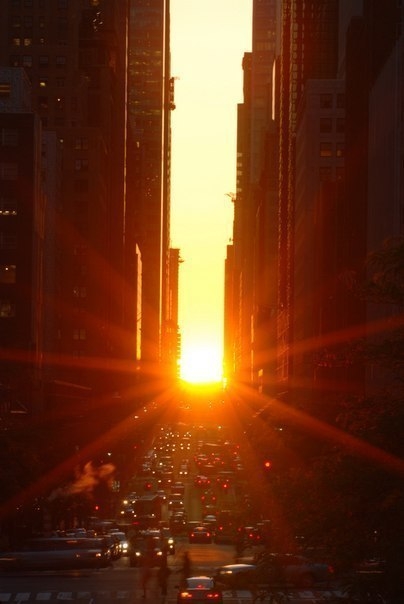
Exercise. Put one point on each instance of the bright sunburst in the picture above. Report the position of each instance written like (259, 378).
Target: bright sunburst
(201, 364)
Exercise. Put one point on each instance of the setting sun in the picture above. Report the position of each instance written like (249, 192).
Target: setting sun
(201, 364)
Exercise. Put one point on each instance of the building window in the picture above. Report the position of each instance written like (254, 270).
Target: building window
(81, 186)
(81, 143)
(340, 101)
(81, 165)
(43, 102)
(27, 3)
(27, 41)
(7, 309)
(60, 61)
(340, 150)
(325, 149)
(41, 22)
(8, 207)
(339, 172)
(8, 241)
(325, 173)
(16, 22)
(340, 125)
(80, 291)
(9, 137)
(325, 125)
(325, 101)
(80, 250)
(15, 61)
(60, 82)
(43, 82)
(7, 273)
(27, 61)
(79, 333)
(5, 89)
(43, 61)
(8, 171)
(16, 41)
(59, 103)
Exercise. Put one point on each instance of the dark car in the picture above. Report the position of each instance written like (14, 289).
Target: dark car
(199, 590)
(292, 569)
(200, 534)
(146, 550)
(57, 553)
(236, 576)
(275, 569)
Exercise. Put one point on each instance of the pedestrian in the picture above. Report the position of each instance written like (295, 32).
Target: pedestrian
(145, 575)
(186, 566)
(162, 576)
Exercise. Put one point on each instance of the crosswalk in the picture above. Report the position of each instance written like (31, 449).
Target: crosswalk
(153, 595)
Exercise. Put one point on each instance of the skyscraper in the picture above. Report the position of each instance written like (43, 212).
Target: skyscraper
(149, 106)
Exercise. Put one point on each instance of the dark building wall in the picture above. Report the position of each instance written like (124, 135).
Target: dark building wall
(148, 185)
(74, 54)
(21, 247)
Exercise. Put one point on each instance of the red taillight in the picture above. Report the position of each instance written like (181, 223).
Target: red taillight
(185, 595)
(213, 596)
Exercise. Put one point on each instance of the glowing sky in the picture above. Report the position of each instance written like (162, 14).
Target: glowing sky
(208, 41)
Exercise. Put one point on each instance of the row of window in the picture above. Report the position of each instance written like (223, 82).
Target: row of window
(330, 149)
(61, 4)
(9, 170)
(28, 40)
(327, 99)
(43, 61)
(329, 124)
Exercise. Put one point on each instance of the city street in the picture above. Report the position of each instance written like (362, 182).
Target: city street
(121, 583)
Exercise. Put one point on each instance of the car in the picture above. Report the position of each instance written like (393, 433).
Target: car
(201, 481)
(122, 542)
(178, 487)
(235, 576)
(210, 520)
(147, 548)
(292, 569)
(57, 553)
(168, 540)
(175, 501)
(275, 569)
(200, 534)
(199, 590)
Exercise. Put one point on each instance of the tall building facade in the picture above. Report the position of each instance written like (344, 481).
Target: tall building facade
(22, 236)
(319, 188)
(149, 106)
(74, 54)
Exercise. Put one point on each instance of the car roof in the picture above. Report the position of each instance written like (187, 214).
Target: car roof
(199, 582)
(237, 567)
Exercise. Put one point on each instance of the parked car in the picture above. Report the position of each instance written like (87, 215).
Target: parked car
(58, 553)
(199, 590)
(293, 569)
(274, 569)
(235, 576)
(200, 534)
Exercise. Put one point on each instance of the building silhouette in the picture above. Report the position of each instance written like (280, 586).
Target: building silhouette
(319, 188)
(97, 76)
